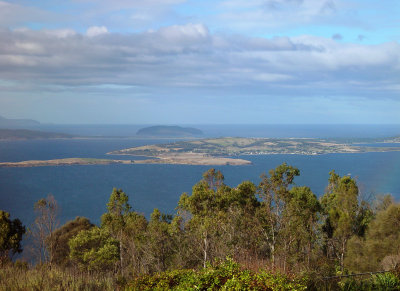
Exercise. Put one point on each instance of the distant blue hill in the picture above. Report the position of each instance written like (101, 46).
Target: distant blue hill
(169, 131)
(15, 134)
(18, 123)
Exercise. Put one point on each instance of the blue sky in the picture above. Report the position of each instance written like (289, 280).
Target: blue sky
(188, 62)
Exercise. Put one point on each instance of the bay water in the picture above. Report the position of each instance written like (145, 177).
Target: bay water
(83, 190)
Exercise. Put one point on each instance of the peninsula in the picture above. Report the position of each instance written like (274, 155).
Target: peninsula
(235, 146)
(214, 151)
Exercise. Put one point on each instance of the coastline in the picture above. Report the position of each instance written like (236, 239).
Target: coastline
(182, 160)
(210, 152)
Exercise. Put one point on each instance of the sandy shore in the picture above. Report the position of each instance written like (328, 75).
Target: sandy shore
(193, 159)
(176, 159)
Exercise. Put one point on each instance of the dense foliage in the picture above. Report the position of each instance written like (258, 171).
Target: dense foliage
(274, 236)
(11, 232)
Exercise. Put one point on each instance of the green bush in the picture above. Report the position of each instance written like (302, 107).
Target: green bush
(226, 275)
(381, 282)
(386, 281)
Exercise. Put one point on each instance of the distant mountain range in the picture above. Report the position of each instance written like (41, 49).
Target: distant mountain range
(169, 131)
(12, 129)
(18, 123)
(14, 134)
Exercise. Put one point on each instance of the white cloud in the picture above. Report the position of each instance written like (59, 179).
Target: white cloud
(190, 56)
(96, 30)
(188, 30)
(61, 33)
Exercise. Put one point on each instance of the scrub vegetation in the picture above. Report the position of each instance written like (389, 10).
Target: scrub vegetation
(271, 236)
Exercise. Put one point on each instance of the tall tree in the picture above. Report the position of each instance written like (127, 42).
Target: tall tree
(203, 206)
(11, 232)
(344, 215)
(220, 219)
(134, 242)
(46, 222)
(275, 195)
(114, 220)
(159, 241)
(301, 225)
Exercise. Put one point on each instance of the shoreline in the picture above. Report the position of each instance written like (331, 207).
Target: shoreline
(208, 152)
(201, 161)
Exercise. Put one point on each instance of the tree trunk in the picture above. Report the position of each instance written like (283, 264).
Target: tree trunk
(205, 249)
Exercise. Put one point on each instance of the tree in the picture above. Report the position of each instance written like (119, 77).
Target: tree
(203, 206)
(94, 250)
(214, 179)
(46, 222)
(275, 195)
(114, 220)
(59, 239)
(379, 249)
(344, 215)
(159, 241)
(134, 238)
(302, 215)
(11, 232)
(220, 219)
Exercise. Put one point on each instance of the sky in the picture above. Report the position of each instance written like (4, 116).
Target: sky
(201, 62)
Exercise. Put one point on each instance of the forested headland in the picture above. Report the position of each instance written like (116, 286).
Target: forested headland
(272, 236)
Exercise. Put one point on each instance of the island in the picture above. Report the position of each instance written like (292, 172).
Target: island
(214, 152)
(169, 131)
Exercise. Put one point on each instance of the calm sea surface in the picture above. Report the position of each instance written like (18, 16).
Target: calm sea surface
(84, 190)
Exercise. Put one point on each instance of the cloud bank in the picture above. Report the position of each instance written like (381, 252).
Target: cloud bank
(239, 61)
(190, 56)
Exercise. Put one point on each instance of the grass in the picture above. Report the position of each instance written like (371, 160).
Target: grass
(45, 278)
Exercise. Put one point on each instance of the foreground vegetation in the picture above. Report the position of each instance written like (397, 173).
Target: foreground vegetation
(274, 236)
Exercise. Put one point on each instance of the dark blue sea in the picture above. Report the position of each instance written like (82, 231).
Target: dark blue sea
(84, 190)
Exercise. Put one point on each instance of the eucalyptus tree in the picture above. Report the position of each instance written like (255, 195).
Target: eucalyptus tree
(61, 236)
(203, 208)
(45, 223)
(120, 222)
(345, 215)
(301, 226)
(159, 247)
(134, 237)
(220, 219)
(94, 250)
(273, 214)
(11, 232)
(380, 248)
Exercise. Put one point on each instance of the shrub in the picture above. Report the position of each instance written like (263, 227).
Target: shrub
(226, 275)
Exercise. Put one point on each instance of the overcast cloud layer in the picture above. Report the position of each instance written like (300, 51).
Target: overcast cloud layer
(283, 61)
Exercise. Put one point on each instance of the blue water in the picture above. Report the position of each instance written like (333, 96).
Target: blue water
(84, 190)
(382, 145)
(245, 130)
